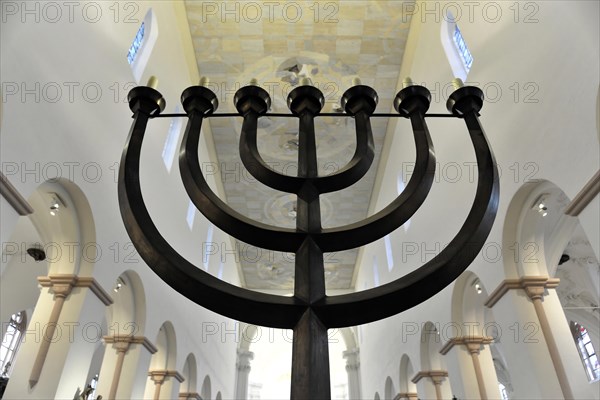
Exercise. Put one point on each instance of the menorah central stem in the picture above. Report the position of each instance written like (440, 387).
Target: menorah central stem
(310, 354)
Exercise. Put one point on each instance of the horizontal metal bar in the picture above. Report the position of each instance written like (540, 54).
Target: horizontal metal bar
(426, 115)
(281, 115)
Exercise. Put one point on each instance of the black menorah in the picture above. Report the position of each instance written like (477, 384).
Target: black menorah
(310, 312)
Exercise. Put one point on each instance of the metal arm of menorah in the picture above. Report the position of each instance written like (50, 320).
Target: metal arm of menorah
(310, 312)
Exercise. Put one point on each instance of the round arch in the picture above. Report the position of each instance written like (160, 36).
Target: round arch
(127, 315)
(474, 321)
(166, 343)
(468, 310)
(406, 374)
(432, 362)
(205, 393)
(63, 217)
(66, 239)
(431, 344)
(349, 337)
(190, 373)
(536, 230)
(562, 249)
(19, 285)
(163, 363)
(390, 390)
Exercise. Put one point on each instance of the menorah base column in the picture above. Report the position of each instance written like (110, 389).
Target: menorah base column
(310, 359)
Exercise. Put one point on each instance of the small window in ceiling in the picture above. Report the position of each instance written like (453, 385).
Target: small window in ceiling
(142, 45)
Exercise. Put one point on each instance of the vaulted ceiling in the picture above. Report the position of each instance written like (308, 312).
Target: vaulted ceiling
(331, 43)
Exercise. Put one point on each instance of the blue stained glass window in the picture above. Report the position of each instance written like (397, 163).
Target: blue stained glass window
(135, 46)
(463, 50)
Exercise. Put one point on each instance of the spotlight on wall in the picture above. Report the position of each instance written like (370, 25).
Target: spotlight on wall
(118, 285)
(56, 204)
(540, 204)
(477, 286)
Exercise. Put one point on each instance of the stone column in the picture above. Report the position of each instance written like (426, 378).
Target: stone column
(131, 353)
(550, 366)
(61, 287)
(436, 379)
(353, 370)
(121, 347)
(243, 371)
(162, 381)
(469, 353)
(535, 289)
(64, 328)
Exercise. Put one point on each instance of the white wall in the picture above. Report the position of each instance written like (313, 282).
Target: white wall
(87, 131)
(554, 138)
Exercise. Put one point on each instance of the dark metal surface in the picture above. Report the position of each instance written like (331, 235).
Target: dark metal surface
(310, 312)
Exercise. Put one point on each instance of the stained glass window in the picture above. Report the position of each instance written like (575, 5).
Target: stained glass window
(135, 46)
(586, 351)
(10, 343)
(503, 392)
(93, 385)
(462, 48)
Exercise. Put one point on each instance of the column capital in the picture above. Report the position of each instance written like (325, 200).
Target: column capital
(245, 354)
(119, 341)
(352, 357)
(243, 359)
(534, 286)
(243, 367)
(473, 343)
(160, 375)
(351, 353)
(408, 395)
(437, 376)
(189, 396)
(62, 284)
